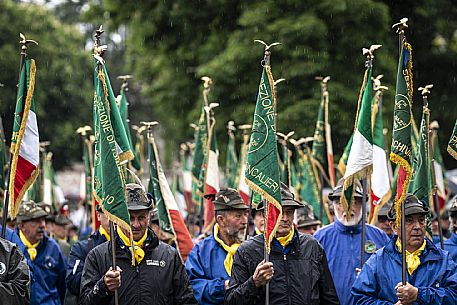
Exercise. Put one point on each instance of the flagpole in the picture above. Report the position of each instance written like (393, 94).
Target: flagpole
(82, 131)
(98, 55)
(364, 219)
(430, 157)
(400, 29)
(24, 42)
(327, 131)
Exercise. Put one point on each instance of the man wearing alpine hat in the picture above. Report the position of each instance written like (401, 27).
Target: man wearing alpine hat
(297, 271)
(342, 241)
(209, 263)
(157, 275)
(431, 273)
(45, 259)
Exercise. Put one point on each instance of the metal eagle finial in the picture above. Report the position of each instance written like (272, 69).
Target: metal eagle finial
(377, 83)
(24, 42)
(83, 130)
(425, 90)
(401, 26)
(370, 51)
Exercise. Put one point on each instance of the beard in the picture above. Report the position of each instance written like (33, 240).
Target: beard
(353, 220)
(236, 234)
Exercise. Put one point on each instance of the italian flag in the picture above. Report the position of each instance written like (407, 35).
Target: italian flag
(243, 187)
(360, 159)
(170, 219)
(211, 179)
(380, 182)
(25, 147)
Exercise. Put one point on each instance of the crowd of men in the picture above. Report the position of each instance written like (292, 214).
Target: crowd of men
(307, 264)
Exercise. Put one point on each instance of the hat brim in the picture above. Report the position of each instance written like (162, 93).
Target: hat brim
(37, 215)
(313, 222)
(139, 207)
(292, 203)
(237, 205)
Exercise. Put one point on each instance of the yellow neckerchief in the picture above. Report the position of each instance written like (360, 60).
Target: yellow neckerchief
(412, 259)
(286, 239)
(257, 231)
(230, 250)
(138, 251)
(104, 233)
(31, 248)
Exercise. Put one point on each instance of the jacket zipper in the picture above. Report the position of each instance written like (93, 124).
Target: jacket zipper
(287, 278)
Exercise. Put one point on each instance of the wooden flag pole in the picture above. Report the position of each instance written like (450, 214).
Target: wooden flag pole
(24, 42)
(400, 29)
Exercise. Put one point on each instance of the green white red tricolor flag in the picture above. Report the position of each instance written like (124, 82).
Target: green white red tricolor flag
(25, 147)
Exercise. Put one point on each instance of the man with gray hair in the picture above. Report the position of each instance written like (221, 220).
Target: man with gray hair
(209, 263)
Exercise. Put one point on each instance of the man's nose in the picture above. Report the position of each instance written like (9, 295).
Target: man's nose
(134, 222)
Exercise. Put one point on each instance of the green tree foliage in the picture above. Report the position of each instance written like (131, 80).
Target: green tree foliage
(170, 44)
(64, 87)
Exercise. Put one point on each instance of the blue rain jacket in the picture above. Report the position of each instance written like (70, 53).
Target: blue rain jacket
(436, 277)
(206, 271)
(11, 236)
(342, 247)
(47, 272)
(450, 245)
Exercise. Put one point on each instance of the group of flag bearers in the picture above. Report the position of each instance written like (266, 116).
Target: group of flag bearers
(346, 262)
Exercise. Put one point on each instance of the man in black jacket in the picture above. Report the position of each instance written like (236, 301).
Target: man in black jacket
(297, 269)
(14, 275)
(157, 275)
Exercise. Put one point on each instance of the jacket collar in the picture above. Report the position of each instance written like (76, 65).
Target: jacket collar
(453, 237)
(151, 241)
(347, 229)
(431, 252)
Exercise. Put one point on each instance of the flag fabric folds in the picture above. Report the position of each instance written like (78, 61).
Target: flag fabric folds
(109, 180)
(360, 159)
(401, 132)
(380, 181)
(211, 180)
(262, 167)
(452, 145)
(25, 139)
(123, 111)
(170, 219)
(231, 164)
(420, 183)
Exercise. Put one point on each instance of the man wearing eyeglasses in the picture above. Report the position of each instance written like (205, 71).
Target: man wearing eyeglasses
(342, 242)
(431, 273)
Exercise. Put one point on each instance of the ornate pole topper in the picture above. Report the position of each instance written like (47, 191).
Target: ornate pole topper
(125, 81)
(207, 83)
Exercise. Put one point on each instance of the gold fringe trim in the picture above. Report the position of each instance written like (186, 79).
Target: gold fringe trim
(274, 202)
(410, 71)
(14, 204)
(452, 152)
(397, 159)
(126, 156)
(362, 173)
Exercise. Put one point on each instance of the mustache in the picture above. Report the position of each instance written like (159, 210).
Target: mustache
(40, 230)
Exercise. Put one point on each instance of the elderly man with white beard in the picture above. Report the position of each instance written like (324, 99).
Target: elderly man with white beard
(342, 241)
(209, 263)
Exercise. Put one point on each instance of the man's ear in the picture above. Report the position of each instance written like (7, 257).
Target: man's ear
(393, 225)
(219, 219)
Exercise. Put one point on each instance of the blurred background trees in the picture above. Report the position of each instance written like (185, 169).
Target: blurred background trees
(169, 45)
